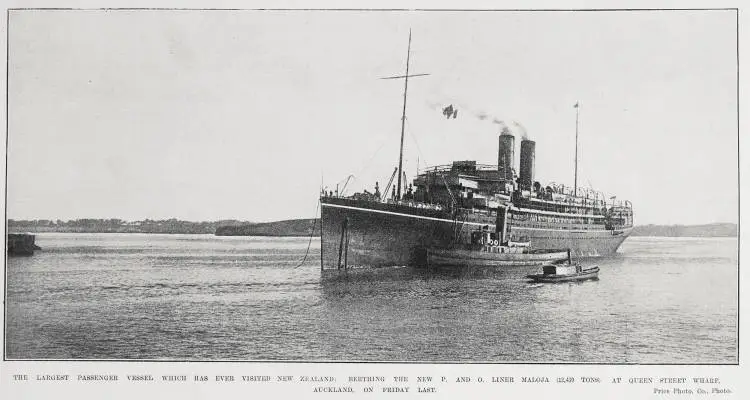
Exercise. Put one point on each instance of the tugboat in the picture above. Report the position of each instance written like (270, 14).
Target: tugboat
(488, 249)
(565, 272)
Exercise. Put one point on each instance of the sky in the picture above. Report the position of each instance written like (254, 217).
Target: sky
(207, 115)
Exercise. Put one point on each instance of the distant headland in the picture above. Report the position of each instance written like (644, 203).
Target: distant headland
(292, 227)
(705, 230)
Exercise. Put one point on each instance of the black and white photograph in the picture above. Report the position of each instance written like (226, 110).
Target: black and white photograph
(408, 186)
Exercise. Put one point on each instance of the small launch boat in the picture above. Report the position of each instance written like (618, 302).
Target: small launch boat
(565, 272)
(486, 251)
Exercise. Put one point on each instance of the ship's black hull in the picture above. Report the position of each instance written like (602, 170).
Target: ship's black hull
(379, 238)
(389, 235)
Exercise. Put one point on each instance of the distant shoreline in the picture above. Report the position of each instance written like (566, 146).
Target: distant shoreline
(704, 230)
(292, 228)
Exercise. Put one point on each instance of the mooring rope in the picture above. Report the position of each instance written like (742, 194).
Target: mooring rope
(312, 233)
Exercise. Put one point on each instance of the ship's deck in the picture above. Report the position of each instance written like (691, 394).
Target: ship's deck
(520, 217)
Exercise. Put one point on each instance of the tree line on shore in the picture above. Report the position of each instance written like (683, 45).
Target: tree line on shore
(705, 230)
(293, 227)
(116, 225)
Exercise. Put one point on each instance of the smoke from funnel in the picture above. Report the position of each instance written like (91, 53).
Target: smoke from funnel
(524, 135)
(480, 114)
(483, 116)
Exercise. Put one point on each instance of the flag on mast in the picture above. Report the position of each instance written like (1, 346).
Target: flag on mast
(576, 106)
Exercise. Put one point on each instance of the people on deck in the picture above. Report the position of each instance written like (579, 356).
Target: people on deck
(409, 193)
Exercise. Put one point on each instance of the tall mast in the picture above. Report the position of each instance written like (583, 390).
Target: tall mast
(403, 114)
(575, 174)
(403, 118)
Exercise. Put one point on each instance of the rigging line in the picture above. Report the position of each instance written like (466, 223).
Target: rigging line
(312, 233)
(453, 199)
(368, 163)
(457, 229)
(416, 143)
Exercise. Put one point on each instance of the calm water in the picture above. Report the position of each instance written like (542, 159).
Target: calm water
(129, 296)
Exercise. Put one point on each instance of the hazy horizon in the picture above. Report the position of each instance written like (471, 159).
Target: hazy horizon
(206, 116)
(285, 219)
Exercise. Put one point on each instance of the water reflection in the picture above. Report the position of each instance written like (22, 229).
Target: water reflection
(147, 297)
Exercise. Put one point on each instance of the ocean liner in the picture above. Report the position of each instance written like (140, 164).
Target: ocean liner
(449, 203)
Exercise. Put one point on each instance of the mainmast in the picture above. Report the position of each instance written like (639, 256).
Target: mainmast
(575, 174)
(403, 115)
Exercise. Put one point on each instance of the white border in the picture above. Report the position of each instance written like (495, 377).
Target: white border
(733, 377)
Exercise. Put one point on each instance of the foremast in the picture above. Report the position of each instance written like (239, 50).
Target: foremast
(406, 77)
(403, 119)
